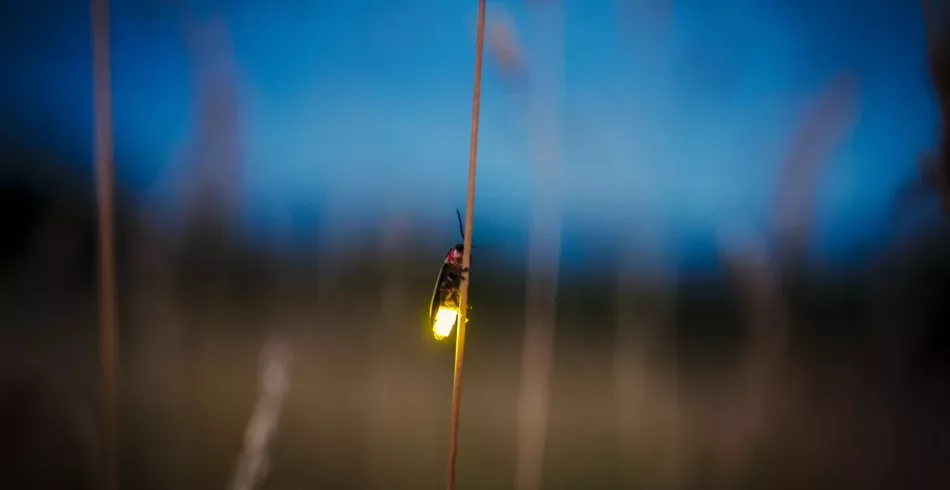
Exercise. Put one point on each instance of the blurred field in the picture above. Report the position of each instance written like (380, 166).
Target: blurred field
(767, 371)
(369, 398)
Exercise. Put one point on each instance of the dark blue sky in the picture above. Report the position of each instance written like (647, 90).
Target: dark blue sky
(675, 129)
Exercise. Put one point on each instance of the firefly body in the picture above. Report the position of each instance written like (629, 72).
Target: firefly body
(444, 307)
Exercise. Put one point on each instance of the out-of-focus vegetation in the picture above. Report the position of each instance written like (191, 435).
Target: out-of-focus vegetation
(858, 404)
(706, 389)
(935, 167)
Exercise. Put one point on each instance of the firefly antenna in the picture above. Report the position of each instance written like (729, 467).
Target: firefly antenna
(462, 229)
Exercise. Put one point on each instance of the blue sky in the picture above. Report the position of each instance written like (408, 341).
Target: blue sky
(672, 128)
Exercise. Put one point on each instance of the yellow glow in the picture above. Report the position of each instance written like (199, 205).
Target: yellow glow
(445, 320)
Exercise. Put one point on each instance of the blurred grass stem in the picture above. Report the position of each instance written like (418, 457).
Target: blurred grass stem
(104, 196)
